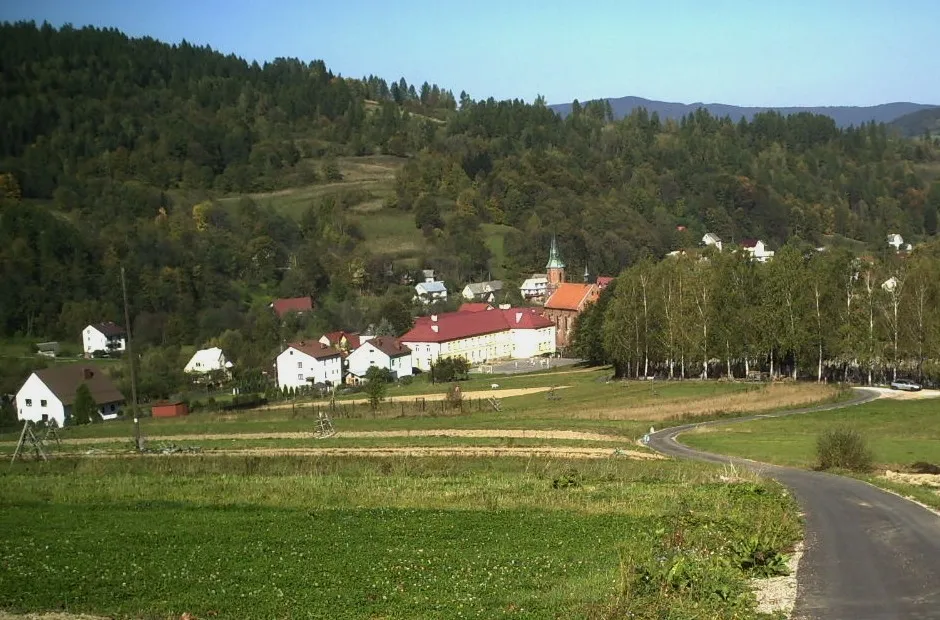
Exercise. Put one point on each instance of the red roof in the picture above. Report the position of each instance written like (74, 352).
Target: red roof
(292, 304)
(458, 325)
(336, 338)
(604, 281)
(748, 243)
(316, 350)
(391, 347)
(474, 307)
(571, 296)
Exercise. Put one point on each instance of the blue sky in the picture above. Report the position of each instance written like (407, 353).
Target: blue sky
(789, 52)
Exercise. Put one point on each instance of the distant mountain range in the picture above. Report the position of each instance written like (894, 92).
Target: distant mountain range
(842, 115)
(914, 125)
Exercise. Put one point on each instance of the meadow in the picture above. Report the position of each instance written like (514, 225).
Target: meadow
(236, 537)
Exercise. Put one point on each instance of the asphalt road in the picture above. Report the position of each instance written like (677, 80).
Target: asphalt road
(869, 555)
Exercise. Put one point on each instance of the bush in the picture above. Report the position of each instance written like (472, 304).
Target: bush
(843, 448)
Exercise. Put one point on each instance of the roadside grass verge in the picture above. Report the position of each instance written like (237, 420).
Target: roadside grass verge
(899, 433)
(235, 537)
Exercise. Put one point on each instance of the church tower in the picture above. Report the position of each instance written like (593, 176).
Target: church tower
(555, 269)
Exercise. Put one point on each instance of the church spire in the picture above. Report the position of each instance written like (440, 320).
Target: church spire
(554, 259)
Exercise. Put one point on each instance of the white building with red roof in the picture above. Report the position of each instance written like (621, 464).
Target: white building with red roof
(757, 250)
(307, 363)
(478, 337)
(381, 352)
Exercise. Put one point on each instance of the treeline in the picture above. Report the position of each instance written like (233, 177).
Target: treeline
(826, 315)
(614, 192)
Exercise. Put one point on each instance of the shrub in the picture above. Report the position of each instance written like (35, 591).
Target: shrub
(568, 479)
(455, 397)
(758, 556)
(843, 448)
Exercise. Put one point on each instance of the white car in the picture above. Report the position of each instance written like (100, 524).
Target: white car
(904, 384)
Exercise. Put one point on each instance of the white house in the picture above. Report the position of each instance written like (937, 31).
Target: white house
(307, 363)
(757, 250)
(896, 241)
(479, 337)
(383, 352)
(428, 292)
(712, 239)
(49, 394)
(207, 360)
(534, 287)
(482, 291)
(106, 336)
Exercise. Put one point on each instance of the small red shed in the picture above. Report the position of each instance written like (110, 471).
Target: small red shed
(169, 409)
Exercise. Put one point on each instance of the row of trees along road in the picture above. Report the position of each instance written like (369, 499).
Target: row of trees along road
(825, 314)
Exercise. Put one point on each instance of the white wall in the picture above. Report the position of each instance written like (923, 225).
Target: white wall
(423, 354)
(93, 340)
(532, 342)
(367, 355)
(35, 392)
(475, 349)
(294, 367)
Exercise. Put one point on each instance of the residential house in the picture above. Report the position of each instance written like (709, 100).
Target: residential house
(207, 361)
(478, 337)
(603, 282)
(482, 291)
(47, 349)
(309, 363)
(49, 394)
(382, 352)
(534, 287)
(896, 241)
(567, 302)
(429, 292)
(757, 250)
(344, 341)
(108, 337)
(291, 305)
(711, 239)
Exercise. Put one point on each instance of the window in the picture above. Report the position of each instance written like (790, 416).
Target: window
(29, 402)
(300, 377)
(300, 364)
(43, 403)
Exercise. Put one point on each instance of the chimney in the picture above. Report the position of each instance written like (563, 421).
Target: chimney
(504, 306)
(87, 373)
(435, 328)
(518, 317)
(434, 318)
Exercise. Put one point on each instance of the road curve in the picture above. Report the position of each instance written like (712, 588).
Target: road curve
(869, 555)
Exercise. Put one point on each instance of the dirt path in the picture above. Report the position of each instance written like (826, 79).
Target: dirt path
(566, 452)
(497, 393)
(444, 432)
(900, 395)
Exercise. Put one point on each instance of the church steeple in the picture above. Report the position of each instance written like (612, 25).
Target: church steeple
(555, 267)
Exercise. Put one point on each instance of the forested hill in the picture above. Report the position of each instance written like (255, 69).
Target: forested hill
(917, 124)
(129, 152)
(842, 115)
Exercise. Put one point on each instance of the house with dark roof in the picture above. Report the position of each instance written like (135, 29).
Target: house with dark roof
(303, 364)
(482, 291)
(107, 337)
(291, 305)
(382, 352)
(756, 249)
(344, 341)
(49, 394)
(479, 337)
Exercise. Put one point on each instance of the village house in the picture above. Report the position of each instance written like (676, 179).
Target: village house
(49, 394)
(107, 337)
(711, 239)
(757, 250)
(291, 305)
(429, 292)
(481, 336)
(381, 352)
(344, 341)
(208, 361)
(603, 282)
(535, 287)
(482, 291)
(309, 363)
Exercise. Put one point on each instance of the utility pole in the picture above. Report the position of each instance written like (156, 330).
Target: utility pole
(130, 355)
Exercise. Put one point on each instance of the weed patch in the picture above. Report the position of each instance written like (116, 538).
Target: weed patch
(843, 448)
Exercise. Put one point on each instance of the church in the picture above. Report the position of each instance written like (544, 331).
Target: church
(565, 300)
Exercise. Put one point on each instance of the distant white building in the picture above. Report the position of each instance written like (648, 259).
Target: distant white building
(206, 361)
(896, 241)
(308, 363)
(382, 352)
(757, 250)
(106, 336)
(712, 239)
(890, 285)
(49, 394)
(429, 292)
(534, 287)
(482, 291)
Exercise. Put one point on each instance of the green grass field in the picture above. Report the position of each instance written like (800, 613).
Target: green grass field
(364, 538)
